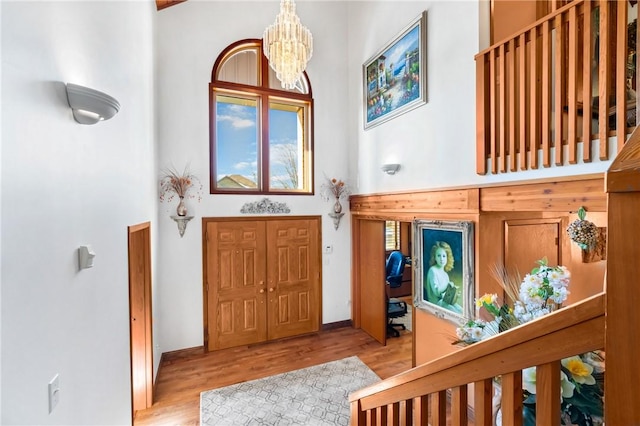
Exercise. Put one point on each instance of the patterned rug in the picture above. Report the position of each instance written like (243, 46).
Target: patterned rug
(313, 396)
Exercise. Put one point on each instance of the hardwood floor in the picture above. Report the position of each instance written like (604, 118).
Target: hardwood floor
(184, 374)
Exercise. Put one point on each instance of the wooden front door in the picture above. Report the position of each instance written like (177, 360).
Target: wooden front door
(262, 279)
(236, 278)
(293, 260)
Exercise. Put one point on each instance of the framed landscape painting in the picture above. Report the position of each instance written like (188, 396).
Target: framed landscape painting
(443, 253)
(395, 77)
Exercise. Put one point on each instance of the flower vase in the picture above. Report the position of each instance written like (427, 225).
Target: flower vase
(337, 207)
(181, 210)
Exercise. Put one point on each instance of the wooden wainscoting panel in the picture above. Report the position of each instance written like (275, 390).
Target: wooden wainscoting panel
(415, 203)
(556, 195)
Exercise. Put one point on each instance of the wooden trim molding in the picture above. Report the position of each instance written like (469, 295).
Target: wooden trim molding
(552, 195)
(163, 4)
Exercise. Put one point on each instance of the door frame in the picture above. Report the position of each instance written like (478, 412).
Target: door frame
(205, 254)
(140, 290)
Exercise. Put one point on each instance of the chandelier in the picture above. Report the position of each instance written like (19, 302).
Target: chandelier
(288, 45)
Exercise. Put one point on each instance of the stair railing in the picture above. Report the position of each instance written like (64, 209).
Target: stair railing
(420, 396)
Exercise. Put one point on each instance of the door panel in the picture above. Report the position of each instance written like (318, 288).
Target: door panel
(236, 281)
(527, 241)
(373, 301)
(293, 258)
(141, 326)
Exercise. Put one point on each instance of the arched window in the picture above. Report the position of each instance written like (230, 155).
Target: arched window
(260, 133)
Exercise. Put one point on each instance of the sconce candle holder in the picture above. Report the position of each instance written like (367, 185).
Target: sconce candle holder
(336, 219)
(182, 222)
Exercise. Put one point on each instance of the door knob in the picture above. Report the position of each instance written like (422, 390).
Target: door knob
(262, 290)
(271, 289)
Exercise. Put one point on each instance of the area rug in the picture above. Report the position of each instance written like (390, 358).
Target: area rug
(313, 396)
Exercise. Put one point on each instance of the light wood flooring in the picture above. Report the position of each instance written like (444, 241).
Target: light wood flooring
(184, 374)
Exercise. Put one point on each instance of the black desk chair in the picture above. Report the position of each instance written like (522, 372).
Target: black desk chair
(396, 308)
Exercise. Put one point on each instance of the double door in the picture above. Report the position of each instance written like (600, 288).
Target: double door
(262, 279)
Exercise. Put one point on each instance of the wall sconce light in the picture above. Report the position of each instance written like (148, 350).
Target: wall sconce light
(390, 169)
(90, 106)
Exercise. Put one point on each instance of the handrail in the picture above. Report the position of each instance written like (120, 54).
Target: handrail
(569, 331)
(525, 30)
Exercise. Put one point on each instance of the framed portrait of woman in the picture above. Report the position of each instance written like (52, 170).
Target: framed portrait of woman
(443, 259)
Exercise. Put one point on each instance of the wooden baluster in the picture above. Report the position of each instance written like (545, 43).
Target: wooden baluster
(481, 114)
(421, 412)
(406, 413)
(545, 109)
(459, 405)
(503, 122)
(604, 72)
(483, 402)
(358, 417)
(522, 101)
(395, 414)
(559, 87)
(439, 408)
(512, 399)
(372, 417)
(548, 394)
(587, 58)
(572, 78)
(621, 75)
(511, 99)
(492, 111)
(534, 99)
(383, 415)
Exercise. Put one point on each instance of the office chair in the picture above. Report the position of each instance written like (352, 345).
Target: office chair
(396, 308)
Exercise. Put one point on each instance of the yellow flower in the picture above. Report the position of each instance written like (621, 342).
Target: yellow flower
(486, 299)
(579, 370)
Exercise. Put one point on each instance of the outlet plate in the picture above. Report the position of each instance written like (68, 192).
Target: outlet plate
(54, 392)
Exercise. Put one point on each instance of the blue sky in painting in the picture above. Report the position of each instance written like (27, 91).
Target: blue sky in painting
(396, 54)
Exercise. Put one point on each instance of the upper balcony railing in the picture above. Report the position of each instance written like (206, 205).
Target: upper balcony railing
(538, 93)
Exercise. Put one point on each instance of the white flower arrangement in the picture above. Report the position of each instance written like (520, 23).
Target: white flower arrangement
(541, 292)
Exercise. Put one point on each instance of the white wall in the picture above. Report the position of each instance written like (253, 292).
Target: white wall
(435, 143)
(190, 36)
(0, 221)
(64, 185)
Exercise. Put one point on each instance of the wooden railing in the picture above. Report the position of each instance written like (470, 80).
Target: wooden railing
(538, 94)
(408, 398)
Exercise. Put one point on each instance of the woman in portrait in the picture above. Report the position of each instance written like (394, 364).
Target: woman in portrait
(440, 290)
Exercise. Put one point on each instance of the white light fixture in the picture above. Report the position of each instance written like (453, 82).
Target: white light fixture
(90, 106)
(390, 169)
(288, 45)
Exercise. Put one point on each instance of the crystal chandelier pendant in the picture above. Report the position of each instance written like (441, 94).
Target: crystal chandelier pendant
(288, 45)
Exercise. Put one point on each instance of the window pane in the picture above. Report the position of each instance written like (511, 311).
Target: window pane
(236, 143)
(288, 150)
(392, 235)
(274, 83)
(241, 67)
